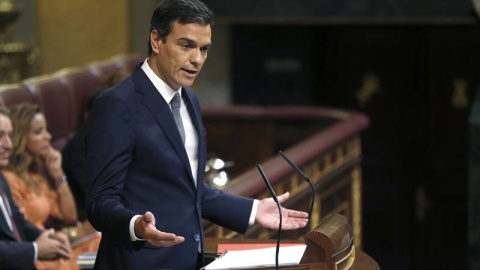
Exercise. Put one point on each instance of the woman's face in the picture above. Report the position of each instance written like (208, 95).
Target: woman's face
(38, 138)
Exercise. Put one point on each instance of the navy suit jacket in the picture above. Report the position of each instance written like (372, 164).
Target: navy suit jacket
(74, 163)
(136, 162)
(13, 254)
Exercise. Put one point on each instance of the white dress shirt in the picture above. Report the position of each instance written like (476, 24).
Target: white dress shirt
(191, 136)
(6, 212)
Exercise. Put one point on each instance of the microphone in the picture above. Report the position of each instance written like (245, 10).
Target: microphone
(311, 187)
(274, 196)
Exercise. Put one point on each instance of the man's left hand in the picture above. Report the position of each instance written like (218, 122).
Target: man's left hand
(268, 216)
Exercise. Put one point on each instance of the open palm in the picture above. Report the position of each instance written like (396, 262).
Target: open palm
(268, 217)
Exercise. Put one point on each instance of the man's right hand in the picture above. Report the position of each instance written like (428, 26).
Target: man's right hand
(145, 229)
(50, 247)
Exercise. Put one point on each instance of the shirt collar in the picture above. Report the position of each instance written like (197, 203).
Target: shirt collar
(166, 91)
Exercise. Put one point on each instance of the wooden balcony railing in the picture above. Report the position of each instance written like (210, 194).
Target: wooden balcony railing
(324, 143)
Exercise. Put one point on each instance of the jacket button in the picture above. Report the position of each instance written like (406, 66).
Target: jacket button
(196, 237)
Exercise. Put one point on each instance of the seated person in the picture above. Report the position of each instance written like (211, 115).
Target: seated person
(74, 155)
(73, 163)
(36, 198)
(21, 243)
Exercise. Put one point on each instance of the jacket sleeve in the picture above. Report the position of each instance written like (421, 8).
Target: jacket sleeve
(110, 142)
(15, 255)
(225, 209)
(26, 229)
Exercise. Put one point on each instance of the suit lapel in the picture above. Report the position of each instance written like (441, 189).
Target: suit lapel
(5, 228)
(191, 110)
(162, 113)
(3, 220)
(194, 113)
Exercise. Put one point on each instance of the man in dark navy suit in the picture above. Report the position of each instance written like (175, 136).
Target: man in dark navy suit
(146, 154)
(21, 243)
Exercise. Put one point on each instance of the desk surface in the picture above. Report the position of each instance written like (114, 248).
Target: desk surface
(362, 260)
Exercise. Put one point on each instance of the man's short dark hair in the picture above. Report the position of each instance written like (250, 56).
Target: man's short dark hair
(183, 11)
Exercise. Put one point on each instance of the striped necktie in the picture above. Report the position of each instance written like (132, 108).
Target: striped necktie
(176, 103)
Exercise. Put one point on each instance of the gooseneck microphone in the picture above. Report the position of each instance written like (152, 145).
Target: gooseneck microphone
(274, 196)
(311, 187)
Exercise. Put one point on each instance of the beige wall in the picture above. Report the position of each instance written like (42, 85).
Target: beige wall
(76, 32)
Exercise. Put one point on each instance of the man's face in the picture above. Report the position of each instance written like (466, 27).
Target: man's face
(179, 60)
(5, 139)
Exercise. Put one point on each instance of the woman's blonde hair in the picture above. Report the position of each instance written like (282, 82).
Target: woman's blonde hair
(22, 117)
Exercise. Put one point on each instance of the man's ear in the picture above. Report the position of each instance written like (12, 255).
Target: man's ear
(155, 40)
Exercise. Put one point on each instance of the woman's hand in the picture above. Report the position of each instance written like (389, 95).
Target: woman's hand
(53, 164)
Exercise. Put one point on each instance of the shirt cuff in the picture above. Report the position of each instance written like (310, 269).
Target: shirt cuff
(35, 253)
(133, 237)
(251, 221)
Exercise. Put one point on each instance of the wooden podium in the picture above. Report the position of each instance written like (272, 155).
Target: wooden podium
(329, 247)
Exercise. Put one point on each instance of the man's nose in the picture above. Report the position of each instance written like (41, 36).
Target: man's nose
(196, 57)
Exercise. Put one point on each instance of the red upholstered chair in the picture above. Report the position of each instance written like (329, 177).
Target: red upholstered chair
(107, 68)
(80, 84)
(14, 94)
(56, 103)
(63, 95)
(130, 62)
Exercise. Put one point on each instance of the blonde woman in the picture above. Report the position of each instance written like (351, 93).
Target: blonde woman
(37, 198)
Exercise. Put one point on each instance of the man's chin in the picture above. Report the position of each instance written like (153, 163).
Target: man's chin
(187, 82)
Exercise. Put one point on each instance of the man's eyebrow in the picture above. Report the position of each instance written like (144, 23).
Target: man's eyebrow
(188, 40)
(191, 41)
(207, 45)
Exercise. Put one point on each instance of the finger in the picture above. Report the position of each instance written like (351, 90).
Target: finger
(177, 241)
(167, 243)
(52, 157)
(163, 236)
(48, 159)
(290, 227)
(293, 225)
(282, 198)
(66, 243)
(63, 248)
(295, 213)
(50, 232)
(296, 221)
(149, 217)
(60, 237)
(60, 249)
(63, 253)
(48, 154)
(164, 239)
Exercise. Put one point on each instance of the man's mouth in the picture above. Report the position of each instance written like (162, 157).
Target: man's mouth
(190, 72)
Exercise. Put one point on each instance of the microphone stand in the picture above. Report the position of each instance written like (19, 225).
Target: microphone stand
(274, 196)
(311, 188)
